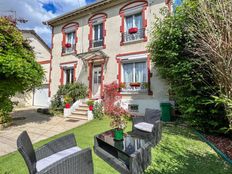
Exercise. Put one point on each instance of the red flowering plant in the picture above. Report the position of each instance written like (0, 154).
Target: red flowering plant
(118, 115)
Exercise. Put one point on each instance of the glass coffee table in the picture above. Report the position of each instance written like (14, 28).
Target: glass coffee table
(131, 155)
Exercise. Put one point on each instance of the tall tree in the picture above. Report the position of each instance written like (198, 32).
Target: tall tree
(19, 70)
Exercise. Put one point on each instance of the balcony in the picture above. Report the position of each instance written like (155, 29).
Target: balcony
(96, 43)
(134, 87)
(67, 49)
(138, 35)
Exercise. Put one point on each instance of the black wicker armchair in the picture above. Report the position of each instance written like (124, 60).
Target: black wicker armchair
(152, 117)
(61, 156)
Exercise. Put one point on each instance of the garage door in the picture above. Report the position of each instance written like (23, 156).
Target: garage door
(41, 96)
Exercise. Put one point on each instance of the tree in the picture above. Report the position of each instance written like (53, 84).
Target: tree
(211, 29)
(191, 83)
(19, 70)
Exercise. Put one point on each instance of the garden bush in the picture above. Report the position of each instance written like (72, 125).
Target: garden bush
(74, 91)
(98, 110)
(191, 83)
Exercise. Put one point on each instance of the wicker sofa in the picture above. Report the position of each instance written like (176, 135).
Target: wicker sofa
(152, 117)
(61, 156)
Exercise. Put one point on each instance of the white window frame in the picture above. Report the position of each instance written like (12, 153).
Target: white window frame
(65, 68)
(133, 18)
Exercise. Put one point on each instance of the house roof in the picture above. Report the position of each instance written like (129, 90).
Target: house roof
(37, 36)
(98, 3)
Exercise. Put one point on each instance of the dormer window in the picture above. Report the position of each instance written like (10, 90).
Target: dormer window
(134, 23)
(69, 38)
(97, 31)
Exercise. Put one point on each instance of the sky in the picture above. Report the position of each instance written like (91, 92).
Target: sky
(37, 11)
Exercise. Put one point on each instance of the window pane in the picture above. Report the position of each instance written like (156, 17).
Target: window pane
(138, 20)
(95, 28)
(67, 76)
(72, 75)
(140, 72)
(129, 22)
(128, 72)
(101, 31)
(70, 37)
(95, 77)
(99, 77)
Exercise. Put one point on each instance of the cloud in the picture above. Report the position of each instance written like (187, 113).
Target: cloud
(35, 12)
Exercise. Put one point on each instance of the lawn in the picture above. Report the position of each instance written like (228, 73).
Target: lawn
(179, 152)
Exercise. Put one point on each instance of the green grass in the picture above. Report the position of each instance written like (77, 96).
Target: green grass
(179, 152)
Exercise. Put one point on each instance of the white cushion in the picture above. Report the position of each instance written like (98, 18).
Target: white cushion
(147, 127)
(45, 162)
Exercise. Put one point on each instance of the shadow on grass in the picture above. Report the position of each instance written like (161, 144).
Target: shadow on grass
(181, 152)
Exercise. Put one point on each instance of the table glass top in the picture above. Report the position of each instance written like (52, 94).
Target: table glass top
(128, 145)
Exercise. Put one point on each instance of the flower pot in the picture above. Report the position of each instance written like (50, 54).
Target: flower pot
(68, 45)
(135, 84)
(118, 134)
(67, 105)
(133, 30)
(91, 107)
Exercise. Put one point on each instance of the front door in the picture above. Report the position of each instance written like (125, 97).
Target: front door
(96, 81)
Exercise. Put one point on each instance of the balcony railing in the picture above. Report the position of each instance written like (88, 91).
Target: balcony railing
(70, 49)
(137, 87)
(127, 37)
(96, 43)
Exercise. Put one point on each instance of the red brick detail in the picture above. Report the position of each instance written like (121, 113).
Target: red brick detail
(122, 15)
(90, 36)
(131, 53)
(119, 70)
(71, 62)
(75, 24)
(44, 62)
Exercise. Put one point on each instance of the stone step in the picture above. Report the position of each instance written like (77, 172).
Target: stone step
(78, 117)
(77, 112)
(83, 105)
(82, 109)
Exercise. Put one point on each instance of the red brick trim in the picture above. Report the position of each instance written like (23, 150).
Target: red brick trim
(74, 73)
(119, 76)
(71, 62)
(169, 4)
(131, 53)
(72, 24)
(90, 22)
(62, 71)
(149, 75)
(122, 15)
(44, 62)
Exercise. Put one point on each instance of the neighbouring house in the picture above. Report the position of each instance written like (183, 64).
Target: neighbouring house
(39, 96)
(105, 42)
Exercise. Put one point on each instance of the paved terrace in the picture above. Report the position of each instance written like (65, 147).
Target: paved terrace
(38, 126)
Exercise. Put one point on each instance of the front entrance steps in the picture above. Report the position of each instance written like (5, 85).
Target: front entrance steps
(81, 113)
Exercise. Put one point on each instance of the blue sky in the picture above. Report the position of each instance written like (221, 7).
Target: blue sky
(37, 11)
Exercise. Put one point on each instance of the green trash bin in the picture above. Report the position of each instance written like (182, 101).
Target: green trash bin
(166, 111)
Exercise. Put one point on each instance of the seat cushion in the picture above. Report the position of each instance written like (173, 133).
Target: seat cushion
(45, 162)
(147, 127)
(152, 115)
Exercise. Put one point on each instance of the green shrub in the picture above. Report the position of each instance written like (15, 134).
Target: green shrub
(90, 102)
(74, 91)
(190, 82)
(98, 111)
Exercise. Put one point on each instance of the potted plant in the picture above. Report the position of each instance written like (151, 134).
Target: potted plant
(67, 101)
(68, 45)
(145, 85)
(122, 85)
(90, 104)
(135, 84)
(133, 30)
(118, 121)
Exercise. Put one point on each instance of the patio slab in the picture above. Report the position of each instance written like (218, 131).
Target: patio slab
(37, 125)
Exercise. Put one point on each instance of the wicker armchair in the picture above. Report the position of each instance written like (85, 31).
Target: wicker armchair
(153, 117)
(61, 156)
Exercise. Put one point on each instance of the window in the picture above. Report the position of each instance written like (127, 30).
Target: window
(133, 21)
(97, 31)
(69, 38)
(135, 76)
(98, 35)
(68, 75)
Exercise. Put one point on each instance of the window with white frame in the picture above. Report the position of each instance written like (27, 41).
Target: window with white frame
(134, 27)
(68, 75)
(70, 42)
(134, 75)
(98, 35)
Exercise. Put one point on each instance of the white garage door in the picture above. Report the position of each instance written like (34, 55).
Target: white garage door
(41, 96)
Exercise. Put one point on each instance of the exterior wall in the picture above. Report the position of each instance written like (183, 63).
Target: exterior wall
(113, 48)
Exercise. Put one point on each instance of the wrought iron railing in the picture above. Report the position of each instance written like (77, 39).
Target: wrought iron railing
(70, 49)
(127, 37)
(96, 43)
(134, 87)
